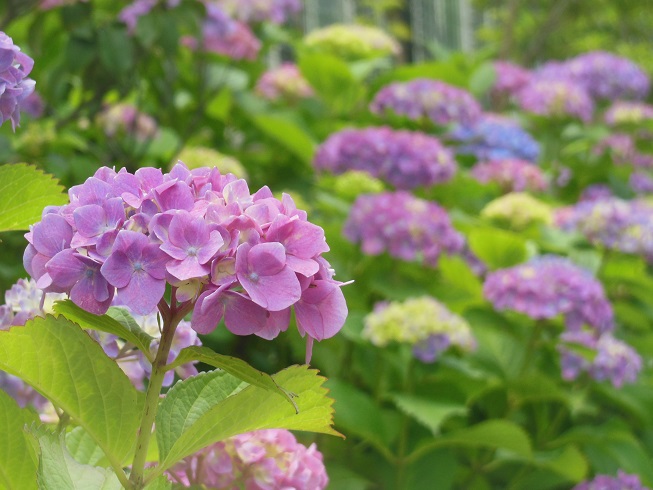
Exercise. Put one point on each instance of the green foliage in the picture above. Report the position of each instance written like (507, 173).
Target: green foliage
(26, 190)
(18, 462)
(63, 363)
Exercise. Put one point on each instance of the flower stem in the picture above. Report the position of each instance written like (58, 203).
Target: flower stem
(171, 318)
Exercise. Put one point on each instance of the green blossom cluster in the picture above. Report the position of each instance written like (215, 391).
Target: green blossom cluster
(518, 210)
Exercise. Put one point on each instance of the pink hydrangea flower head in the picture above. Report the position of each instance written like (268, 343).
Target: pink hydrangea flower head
(556, 98)
(260, 460)
(285, 83)
(15, 86)
(512, 175)
(509, 78)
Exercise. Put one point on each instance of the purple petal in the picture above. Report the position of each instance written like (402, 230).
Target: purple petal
(305, 267)
(188, 268)
(65, 268)
(208, 311)
(242, 316)
(84, 294)
(322, 310)
(277, 322)
(301, 238)
(154, 261)
(265, 259)
(117, 270)
(89, 219)
(143, 293)
(51, 235)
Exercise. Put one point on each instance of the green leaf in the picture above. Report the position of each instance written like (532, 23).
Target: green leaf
(499, 434)
(497, 248)
(429, 413)
(64, 364)
(25, 191)
(287, 133)
(116, 321)
(83, 448)
(250, 409)
(160, 483)
(568, 462)
(58, 469)
(234, 366)
(116, 50)
(446, 72)
(17, 459)
(220, 106)
(482, 79)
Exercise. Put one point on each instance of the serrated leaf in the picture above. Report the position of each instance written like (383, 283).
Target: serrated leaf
(429, 413)
(63, 363)
(17, 459)
(25, 191)
(250, 409)
(234, 366)
(499, 434)
(83, 448)
(58, 469)
(116, 321)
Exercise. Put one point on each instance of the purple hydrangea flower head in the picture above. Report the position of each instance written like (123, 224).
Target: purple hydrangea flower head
(285, 83)
(613, 360)
(608, 76)
(423, 98)
(225, 36)
(405, 226)
(509, 78)
(556, 98)
(627, 112)
(406, 159)
(249, 11)
(247, 258)
(614, 223)
(15, 86)
(352, 42)
(33, 105)
(125, 119)
(623, 150)
(512, 175)
(263, 459)
(596, 192)
(424, 323)
(623, 481)
(495, 137)
(641, 182)
(548, 286)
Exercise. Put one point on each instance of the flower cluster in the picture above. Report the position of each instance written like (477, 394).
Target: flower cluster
(548, 286)
(519, 210)
(613, 359)
(423, 322)
(511, 175)
(352, 42)
(608, 76)
(263, 459)
(200, 156)
(623, 150)
(353, 183)
(556, 98)
(595, 192)
(407, 227)
(15, 87)
(249, 11)
(225, 36)
(509, 78)
(247, 258)
(283, 83)
(405, 159)
(423, 98)
(613, 223)
(496, 138)
(626, 112)
(622, 481)
(125, 119)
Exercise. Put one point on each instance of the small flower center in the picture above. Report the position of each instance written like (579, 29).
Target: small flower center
(253, 276)
(138, 266)
(192, 251)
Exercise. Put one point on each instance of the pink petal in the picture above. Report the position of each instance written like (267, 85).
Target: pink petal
(242, 316)
(322, 310)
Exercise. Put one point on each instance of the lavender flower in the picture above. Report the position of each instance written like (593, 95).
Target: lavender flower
(613, 360)
(511, 175)
(625, 112)
(247, 258)
(596, 192)
(623, 150)
(125, 119)
(622, 481)
(406, 159)
(614, 223)
(225, 36)
(509, 78)
(15, 87)
(641, 182)
(427, 99)
(608, 76)
(549, 286)
(33, 105)
(352, 42)
(284, 83)
(495, 137)
(423, 322)
(263, 459)
(556, 98)
(249, 11)
(407, 227)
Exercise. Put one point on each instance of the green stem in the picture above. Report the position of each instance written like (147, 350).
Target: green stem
(171, 318)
